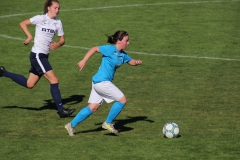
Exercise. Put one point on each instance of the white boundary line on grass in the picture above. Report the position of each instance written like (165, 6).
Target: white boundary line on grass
(141, 53)
(133, 5)
(123, 6)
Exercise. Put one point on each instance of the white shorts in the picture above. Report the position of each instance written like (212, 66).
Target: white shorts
(104, 91)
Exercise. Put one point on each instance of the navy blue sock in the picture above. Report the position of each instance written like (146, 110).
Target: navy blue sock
(19, 79)
(81, 116)
(114, 111)
(56, 96)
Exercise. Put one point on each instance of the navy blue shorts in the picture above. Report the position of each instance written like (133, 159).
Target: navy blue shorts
(39, 64)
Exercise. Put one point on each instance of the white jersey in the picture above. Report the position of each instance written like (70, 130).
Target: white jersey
(45, 30)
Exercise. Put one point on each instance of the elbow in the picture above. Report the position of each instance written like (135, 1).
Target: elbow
(20, 24)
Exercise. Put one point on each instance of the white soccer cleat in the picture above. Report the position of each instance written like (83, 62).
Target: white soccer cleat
(109, 127)
(70, 129)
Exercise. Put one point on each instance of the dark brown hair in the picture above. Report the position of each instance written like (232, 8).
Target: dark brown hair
(118, 35)
(47, 4)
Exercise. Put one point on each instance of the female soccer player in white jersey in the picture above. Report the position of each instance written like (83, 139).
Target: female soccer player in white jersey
(102, 86)
(47, 25)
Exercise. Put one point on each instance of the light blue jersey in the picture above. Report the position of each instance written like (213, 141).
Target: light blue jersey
(111, 60)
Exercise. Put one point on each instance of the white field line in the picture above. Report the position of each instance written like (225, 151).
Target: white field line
(133, 5)
(141, 53)
(123, 6)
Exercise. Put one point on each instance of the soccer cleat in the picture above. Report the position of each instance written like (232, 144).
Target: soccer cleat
(70, 129)
(66, 112)
(2, 69)
(109, 127)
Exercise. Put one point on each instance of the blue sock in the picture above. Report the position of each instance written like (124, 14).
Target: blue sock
(56, 96)
(114, 111)
(81, 116)
(19, 79)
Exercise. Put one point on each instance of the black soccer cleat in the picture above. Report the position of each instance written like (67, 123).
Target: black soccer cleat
(66, 112)
(2, 69)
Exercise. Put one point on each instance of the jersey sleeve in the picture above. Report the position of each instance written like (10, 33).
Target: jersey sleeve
(36, 19)
(60, 28)
(105, 50)
(126, 58)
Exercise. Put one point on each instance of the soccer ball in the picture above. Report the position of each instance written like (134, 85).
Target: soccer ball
(171, 130)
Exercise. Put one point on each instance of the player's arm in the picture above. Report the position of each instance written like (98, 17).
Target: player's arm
(54, 45)
(89, 54)
(24, 26)
(134, 62)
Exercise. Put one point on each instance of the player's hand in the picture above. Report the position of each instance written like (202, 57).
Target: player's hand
(138, 62)
(54, 45)
(81, 65)
(28, 41)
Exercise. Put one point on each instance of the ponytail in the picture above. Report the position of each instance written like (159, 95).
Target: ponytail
(119, 35)
(110, 39)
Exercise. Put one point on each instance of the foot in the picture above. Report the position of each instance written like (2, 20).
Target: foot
(66, 112)
(70, 129)
(109, 127)
(2, 69)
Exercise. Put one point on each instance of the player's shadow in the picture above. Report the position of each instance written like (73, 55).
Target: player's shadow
(120, 125)
(49, 104)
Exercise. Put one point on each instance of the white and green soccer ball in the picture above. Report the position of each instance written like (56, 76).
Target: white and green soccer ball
(171, 130)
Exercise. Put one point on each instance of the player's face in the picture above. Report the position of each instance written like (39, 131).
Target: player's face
(124, 43)
(53, 10)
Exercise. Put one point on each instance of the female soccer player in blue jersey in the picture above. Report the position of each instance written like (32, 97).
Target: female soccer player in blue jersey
(102, 86)
(47, 25)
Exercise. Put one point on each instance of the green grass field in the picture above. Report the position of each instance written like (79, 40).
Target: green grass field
(190, 75)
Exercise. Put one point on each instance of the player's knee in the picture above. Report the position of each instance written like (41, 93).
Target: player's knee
(51, 77)
(123, 100)
(30, 86)
(93, 107)
(54, 80)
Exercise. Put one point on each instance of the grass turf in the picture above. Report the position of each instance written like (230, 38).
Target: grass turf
(190, 75)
